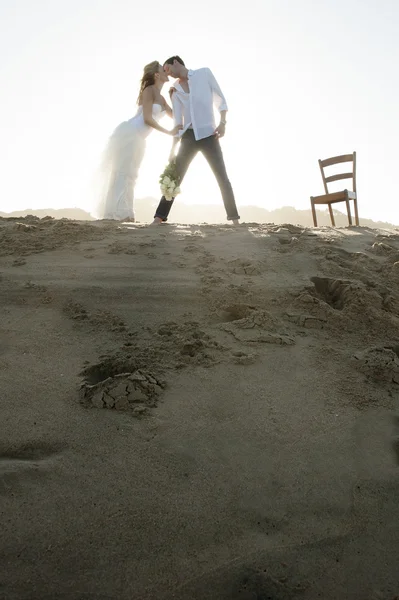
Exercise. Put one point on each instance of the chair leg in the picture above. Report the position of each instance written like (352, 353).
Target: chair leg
(356, 212)
(348, 208)
(313, 212)
(331, 215)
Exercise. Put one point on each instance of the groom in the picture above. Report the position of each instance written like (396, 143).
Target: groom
(193, 99)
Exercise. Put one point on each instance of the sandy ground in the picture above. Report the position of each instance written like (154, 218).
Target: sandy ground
(198, 412)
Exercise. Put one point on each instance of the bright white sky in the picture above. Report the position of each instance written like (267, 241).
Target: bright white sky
(304, 79)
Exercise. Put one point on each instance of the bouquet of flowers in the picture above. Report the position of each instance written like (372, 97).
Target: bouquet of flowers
(169, 181)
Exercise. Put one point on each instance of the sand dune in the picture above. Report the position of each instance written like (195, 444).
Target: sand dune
(198, 412)
(212, 214)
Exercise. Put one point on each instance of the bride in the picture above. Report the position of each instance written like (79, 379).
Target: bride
(126, 146)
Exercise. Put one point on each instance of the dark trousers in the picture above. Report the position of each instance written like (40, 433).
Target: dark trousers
(210, 148)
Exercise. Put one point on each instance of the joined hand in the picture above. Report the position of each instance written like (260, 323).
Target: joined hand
(175, 130)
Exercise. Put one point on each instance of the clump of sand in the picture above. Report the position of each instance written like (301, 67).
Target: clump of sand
(30, 235)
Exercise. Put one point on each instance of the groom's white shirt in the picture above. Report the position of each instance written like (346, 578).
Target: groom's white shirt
(196, 109)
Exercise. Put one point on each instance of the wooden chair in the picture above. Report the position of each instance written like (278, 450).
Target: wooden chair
(333, 197)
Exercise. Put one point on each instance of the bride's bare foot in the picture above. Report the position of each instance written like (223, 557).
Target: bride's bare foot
(129, 220)
(156, 221)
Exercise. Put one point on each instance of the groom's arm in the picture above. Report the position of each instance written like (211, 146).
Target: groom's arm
(177, 111)
(220, 102)
(218, 95)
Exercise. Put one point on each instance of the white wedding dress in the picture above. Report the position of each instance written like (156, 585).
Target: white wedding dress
(120, 166)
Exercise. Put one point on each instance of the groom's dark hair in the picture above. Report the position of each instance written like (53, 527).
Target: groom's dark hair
(172, 59)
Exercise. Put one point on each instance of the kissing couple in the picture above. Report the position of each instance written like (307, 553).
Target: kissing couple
(193, 96)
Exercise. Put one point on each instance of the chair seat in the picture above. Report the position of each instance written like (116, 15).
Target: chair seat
(334, 197)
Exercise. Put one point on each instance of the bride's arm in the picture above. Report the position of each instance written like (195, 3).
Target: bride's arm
(166, 106)
(148, 101)
(178, 117)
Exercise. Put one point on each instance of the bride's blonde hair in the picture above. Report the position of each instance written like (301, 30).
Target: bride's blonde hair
(148, 77)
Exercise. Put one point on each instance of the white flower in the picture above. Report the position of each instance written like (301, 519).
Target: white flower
(169, 185)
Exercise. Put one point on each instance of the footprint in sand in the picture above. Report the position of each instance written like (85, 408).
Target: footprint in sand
(38, 292)
(360, 303)
(206, 260)
(35, 286)
(344, 305)
(192, 248)
(380, 364)
(179, 264)
(242, 358)
(341, 294)
(306, 321)
(189, 344)
(19, 262)
(209, 282)
(99, 318)
(250, 326)
(235, 312)
(243, 267)
(120, 248)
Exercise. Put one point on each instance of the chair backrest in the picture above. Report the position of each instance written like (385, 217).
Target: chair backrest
(334, 161)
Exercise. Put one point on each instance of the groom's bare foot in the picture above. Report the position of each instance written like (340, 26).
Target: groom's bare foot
(236, 222)
(156, 221)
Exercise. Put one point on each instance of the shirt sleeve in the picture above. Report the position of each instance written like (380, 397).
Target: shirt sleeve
(177, 110)
(218, 95)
